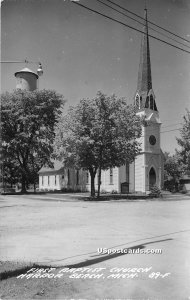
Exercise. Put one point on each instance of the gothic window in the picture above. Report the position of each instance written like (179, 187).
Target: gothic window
(48, 180)
(151, 102)
(147, 102)
(140, 102)
(55, 179)
(111, 176)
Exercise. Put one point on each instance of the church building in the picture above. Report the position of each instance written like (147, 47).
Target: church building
(147, 168)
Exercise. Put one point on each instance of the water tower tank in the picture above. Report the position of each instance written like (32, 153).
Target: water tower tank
(26, 80)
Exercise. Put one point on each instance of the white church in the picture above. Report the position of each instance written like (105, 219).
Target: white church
(146, 170)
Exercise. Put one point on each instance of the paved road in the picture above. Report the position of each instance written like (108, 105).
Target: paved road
(60, 230)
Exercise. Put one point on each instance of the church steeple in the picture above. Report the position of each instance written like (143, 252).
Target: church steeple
(144, 97)
(144, 75)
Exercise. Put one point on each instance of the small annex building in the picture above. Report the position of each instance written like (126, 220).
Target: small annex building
(61, 178)
(147, 169)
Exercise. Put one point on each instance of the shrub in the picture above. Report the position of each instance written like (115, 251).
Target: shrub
(114, 192)
(155, 192)
(103, 191)
(171, 185)
(184, 192)
(70, 190)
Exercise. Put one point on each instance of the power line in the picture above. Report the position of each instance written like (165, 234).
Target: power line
(170, 130)
(18, 62)
(168, 120)
(152, 131)
(149, 130)
(143, 24)
(12, 62)
(171, 125)
(115, 20)
(148, 21)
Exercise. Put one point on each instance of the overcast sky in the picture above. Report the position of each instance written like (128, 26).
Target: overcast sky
(82, 52)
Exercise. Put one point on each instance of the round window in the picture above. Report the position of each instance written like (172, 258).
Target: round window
(152, 140)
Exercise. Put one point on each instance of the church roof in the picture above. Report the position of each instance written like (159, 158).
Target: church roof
(26, 70)
(144, 75)
(57, 169)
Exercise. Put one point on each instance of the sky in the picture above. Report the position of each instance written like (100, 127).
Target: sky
(83, 53)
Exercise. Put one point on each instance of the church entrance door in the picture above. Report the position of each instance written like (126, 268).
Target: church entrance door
(152, 177)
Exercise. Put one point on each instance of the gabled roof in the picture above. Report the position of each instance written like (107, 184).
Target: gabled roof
(58, 168)
(153, 118)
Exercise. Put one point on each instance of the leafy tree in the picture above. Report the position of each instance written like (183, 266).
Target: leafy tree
(172, 171)
(10, 172)
(184, 143)
(98, 134)
(28, 121)
(179, 163)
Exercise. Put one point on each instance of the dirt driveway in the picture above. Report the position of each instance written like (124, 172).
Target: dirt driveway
(66, 233)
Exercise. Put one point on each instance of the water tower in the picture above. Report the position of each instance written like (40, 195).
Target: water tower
(27, 79)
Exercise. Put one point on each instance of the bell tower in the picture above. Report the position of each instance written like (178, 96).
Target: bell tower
(147, 167)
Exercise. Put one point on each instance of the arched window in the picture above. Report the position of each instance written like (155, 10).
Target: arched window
(151, 102)
(152, 177)
(147, 102)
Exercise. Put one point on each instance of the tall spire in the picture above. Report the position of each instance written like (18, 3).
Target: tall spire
(144, 97)
(144, 75)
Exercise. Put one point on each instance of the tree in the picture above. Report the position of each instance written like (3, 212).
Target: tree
(28, 122)
(98, 134)
(184, 143)
(10, 172)
(172, 171)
